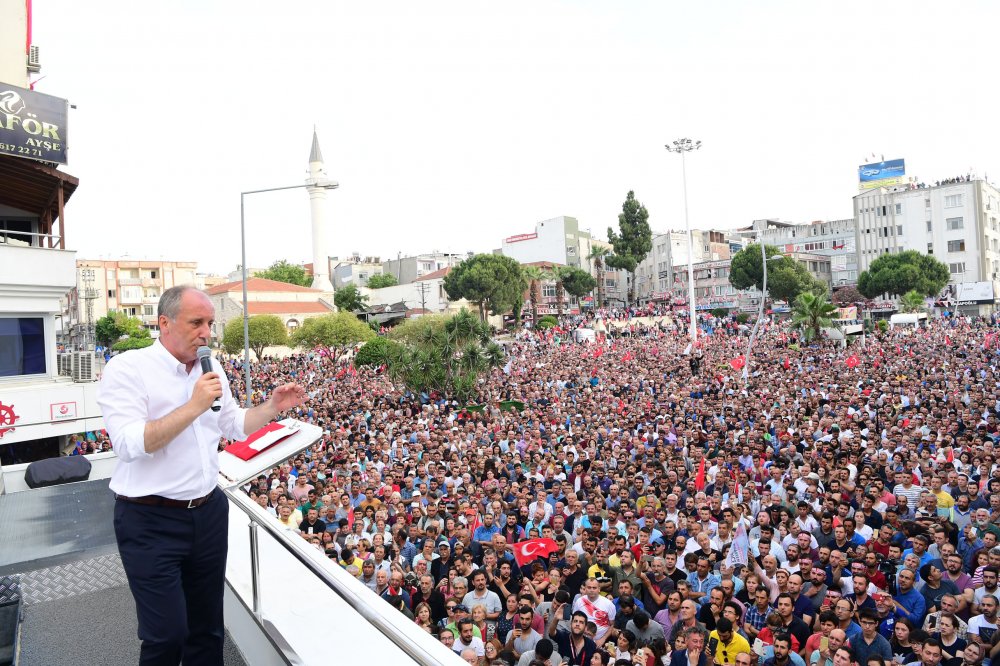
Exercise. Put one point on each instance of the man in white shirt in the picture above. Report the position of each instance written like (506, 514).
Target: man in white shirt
(157, 407)
(465, 639)
(599, 610)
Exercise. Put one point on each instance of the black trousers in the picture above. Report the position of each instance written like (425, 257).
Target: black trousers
(175, 560)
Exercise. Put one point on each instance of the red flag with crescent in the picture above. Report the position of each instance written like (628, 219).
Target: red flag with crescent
(526, 551)
(786, 364)
(853, 361)
(738, 362)
(699, 479)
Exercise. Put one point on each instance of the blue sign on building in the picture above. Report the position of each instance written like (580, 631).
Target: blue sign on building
(881, 170)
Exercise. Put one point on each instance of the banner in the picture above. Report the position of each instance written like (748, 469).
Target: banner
(881, 171)
(739, 550)
(32, 125)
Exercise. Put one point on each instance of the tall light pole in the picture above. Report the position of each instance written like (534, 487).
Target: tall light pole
(684, 146)
(325, 184)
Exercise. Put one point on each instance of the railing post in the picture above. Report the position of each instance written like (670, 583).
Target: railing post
(254, 570)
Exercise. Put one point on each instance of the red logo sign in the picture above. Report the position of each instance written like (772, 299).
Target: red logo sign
(520, 237)
(7, 419)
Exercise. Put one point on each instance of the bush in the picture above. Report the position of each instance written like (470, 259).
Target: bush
(882, 325)
(743, 317)
(131, 343)
(548, 321)
(376, 352)
(719, 313)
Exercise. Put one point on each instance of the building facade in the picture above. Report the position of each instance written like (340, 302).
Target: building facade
(292, 303)
(130, 286)
(354, 270)
(836, 239)
(654, 276)
(408, 269)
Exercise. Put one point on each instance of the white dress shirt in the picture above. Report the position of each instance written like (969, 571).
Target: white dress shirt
(144, 385)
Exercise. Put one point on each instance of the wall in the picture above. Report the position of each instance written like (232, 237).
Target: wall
(51, 407)
(549, 245)
(13, 29)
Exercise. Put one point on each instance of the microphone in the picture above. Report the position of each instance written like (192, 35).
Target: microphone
(205, 356)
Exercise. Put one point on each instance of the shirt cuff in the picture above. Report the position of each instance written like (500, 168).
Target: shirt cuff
(133, 442)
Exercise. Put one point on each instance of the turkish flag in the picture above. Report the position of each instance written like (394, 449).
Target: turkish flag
(526, 551)
(853, 361)
(786, 363)
(699, 479)
(738, 363)
(947, 340)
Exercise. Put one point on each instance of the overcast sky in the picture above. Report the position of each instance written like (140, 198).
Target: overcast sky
(451, 125)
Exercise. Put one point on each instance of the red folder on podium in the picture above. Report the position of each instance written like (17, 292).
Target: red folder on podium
(261, 440)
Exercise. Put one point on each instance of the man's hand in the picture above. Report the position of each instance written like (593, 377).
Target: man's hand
(206, 390)
(287, 396)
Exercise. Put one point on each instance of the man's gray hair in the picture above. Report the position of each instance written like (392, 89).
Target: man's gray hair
(170, 301)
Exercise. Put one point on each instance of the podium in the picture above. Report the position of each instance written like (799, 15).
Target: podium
(234, 471)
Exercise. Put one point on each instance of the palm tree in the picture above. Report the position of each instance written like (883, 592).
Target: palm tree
(534, 275)
(812, 314)
(598, 255)
(912, 301)
(559, 273)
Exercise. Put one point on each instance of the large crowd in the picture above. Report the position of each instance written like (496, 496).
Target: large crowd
(836, 506)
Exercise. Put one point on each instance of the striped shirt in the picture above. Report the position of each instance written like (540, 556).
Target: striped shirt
(757, 618)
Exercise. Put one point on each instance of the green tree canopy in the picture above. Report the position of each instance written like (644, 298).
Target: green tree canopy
(265, 331)
(282, 271)
(448, 360)
(898, 273)
(492, 281)
(786, 278)
(812, 313)
(633, 241)
(578, 282)
(410, 331)
(113, 326)
(131, 343)
(350, 299)
(341, 328)
(376, 352)
(381, 280)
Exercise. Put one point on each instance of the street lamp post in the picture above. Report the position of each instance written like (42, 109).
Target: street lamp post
(684, 146)
(325, 184)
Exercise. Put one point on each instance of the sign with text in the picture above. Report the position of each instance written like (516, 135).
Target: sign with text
(32, 125)
(60, 411)
(881, 170)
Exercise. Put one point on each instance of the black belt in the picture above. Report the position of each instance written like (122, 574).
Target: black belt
(156, 500)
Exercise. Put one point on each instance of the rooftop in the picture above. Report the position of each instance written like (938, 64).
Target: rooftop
(287, 307)
(258, 284)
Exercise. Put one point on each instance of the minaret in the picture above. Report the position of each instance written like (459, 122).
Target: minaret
(318, 185)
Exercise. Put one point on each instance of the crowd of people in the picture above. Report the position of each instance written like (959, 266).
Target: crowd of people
(818, 511)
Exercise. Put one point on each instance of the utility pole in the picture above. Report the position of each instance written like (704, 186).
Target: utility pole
(423, 288)
(89, 294)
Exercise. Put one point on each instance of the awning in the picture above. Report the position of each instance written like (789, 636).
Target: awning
(38, 189)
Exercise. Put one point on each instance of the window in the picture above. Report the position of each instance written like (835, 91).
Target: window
(899, 209)
(152, 275)
(147, 311)
(953, 201)
(929, 226)
(609, 282)
(22, 346)
(131, 312)
(930, 248)
(956, 246)
(954, 223)
(957, 268)
(549, 290)
(899, 229)
(111, 293)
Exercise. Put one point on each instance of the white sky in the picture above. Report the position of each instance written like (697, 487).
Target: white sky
(451, 125)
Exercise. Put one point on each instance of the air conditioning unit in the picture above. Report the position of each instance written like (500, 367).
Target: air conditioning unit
(64, 363)
(83, 367)
(34, 63)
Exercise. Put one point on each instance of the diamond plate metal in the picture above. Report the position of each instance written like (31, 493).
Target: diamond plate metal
(10, 588)
(69, 580)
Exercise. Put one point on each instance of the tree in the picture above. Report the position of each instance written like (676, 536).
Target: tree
(599, 255)
(848, 296)
(382, 280)
(417, 328)
(812, 313)
(129, 344)
(332, 330)
(559, 274)
(633, 241)
(448, 360)
(376, 352)
(912, 301)
(282, 271)
(115, 325)
(898, 273)
(350, 299)
(786, 278)
(265, 331)
(548, 321)
(492, 281)
(534, 275)
(578, 282)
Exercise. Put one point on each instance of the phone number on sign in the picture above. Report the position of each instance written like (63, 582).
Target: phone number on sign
(14, 149)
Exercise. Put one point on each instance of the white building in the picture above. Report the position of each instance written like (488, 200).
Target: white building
(835, 239)
(424, 295)
(354, 270)
(655, 275)
(408, 269)
(561, 241)
(956, 222)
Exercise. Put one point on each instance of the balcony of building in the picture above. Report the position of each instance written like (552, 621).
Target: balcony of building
(129, 282)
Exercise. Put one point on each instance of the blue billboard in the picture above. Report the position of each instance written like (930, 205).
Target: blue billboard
(881, 170)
